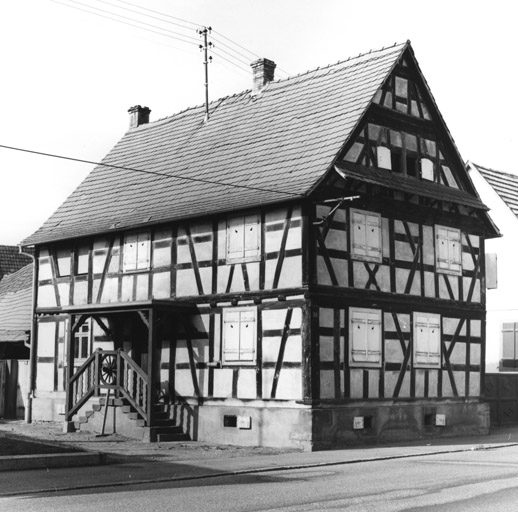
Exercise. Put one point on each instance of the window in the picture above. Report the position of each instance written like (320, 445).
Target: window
(82, 345)
(239, 335)
(137, 252)
(509, 359)
(427, 340)
(243, 238)
(82, 258)
(366, 235)
(448, 250)
(364, 337)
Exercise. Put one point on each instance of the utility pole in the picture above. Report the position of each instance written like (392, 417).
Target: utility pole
(205, 48)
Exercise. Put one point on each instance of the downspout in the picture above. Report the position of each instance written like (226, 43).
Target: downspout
(32, 357)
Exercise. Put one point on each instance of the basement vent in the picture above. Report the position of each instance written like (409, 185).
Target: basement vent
(229, 421)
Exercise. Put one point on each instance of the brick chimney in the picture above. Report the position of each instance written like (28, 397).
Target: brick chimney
(263, 70)
(138, 115)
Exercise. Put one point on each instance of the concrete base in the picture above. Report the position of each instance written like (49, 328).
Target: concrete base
(390, 422)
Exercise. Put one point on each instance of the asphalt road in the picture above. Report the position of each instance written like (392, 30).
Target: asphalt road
(476, 480)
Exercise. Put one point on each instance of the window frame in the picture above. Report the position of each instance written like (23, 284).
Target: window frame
(224, 338)
(130, 266)
(449, 265)
(244, 254)
(376, 258)
(355, 313)
(417, 349)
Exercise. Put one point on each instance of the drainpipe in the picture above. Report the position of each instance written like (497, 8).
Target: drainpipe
(32, 357)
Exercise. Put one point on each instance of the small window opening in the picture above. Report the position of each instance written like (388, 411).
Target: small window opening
(229, 421)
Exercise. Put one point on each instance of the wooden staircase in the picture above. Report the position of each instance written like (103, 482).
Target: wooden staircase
(114, 373)
(130, 423)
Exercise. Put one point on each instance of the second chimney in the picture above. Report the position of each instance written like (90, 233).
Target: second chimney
(263, 71)
(138, 115)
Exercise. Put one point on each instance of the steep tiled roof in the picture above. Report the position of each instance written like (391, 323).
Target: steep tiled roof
(272, 147)
(504, 184)
(11, 260)
(15, 305)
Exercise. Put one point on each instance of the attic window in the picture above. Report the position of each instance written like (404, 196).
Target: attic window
(243, 238)
(137, 251)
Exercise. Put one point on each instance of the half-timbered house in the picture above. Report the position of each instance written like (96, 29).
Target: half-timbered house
(499, 191)
(304, 268)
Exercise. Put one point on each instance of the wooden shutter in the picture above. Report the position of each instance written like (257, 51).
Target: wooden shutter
(235, 238)
(231, 336)
(427, 339)
(143, 251)
(366, 235)
(509, 341)
(448, 249)
(247, 336)
(130, 252)
(427, 169)
(365, 336)
(252, 238)
(384, 158)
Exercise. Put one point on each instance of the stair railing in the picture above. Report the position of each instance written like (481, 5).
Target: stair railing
(108, 370)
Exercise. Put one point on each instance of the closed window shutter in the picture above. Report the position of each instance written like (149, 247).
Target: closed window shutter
(454, 247)
(130, 252)
(443, 258)
(251, 235)
(365, 336)
(384, 158)
(143, 251)
(235, 238)
(373, 236)
(427, 339)
(231, 336)
(247, 336)
(373, 338)
(359, 234)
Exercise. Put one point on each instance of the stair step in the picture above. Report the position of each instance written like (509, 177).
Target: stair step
(113, 402)
(171, 429)
(170, 438)
(97, 407)
(162, 415)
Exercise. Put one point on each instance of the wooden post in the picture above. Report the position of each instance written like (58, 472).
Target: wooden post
(70, 366)
(151, 365)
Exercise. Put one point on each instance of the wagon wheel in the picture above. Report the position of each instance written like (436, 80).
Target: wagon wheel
(108, 369)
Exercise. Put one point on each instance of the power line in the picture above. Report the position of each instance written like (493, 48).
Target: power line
(137, 21)
(162, 175)
(158, 12)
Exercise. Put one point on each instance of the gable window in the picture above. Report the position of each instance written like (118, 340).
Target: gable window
(137, 250)
(364, 337)
(239, 335)
(243, 238)
(448, 254)
(82, 257)
(427, 340)
(509, 359)
(366, 235)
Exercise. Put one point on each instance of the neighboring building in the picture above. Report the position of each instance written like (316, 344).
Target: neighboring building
(11, 260)
(303, 269)
(499, 191)
(15, 327)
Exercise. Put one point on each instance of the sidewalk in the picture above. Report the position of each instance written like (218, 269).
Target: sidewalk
(130, 462)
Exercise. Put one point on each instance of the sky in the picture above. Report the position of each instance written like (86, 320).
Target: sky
(70, 73)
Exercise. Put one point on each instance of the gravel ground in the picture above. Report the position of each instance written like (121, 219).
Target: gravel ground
(116, 445)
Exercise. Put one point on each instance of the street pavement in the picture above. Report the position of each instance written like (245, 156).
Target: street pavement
(127, 462)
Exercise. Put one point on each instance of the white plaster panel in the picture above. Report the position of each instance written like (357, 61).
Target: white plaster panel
(246, 383)
(253, 275)
(291, 272)
(446, 384)
(474, 384)
(162, 285)
(46, 339)
(449, 326)
(182, 354)
(206, 279)
(294, 240)
(326, 317)
(393, 352)
(289, 385)
(223, 382)
(326, 348)
(327, 384)
(428, 246)
(475, 353)
(458, 355)
(183, 253)
(223, 272)
(64, 293)
(186, 283)
(460, 382)
(429, 284)
(183, 382)
(110, 289)
(45, 377)
(238, 283)
(433, 383)
(46, 296)
(475, 328)
(356, 383)
(44, 269)
(80, 292)
(336, 239)
(385, 238)
(374, 379)
(142, 287)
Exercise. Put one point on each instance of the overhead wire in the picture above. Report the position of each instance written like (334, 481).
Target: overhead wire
(143, 171)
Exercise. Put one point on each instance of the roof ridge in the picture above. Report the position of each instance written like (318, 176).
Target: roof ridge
(218, 101)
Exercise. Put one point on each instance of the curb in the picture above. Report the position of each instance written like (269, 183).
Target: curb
(270, 469)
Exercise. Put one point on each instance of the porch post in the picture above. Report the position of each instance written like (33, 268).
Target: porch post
(69, 372)
(151, 364)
